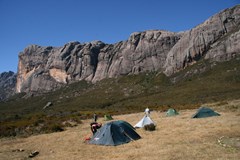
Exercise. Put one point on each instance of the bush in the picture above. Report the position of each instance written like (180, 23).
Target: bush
(55, 128)
(150, 127)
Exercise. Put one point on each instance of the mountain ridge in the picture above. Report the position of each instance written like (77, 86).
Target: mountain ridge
(43, 69)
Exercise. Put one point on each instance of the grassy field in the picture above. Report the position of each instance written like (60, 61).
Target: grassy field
(179, 137)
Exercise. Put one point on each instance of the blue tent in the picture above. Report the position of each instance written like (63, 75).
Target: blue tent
(205, 112)
(114, 133)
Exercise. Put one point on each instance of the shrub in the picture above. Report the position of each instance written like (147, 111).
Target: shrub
(56, 128)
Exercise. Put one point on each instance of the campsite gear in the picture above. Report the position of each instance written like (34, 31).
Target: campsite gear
(33, 154)
(171, 112)
(144, 121)
(87, 138)
(95, 126)
(114, 133)
(150, 127)
(205, 112)
(108, 117)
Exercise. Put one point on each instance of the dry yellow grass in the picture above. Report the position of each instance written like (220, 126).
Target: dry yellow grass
(178, 137)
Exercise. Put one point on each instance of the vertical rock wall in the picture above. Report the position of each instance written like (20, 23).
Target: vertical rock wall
(47, 68)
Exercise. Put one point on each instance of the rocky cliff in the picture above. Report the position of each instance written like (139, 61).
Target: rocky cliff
(216, 39)
(47, 68)
(7, 84)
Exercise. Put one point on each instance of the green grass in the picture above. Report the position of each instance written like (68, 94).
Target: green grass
(197, 84)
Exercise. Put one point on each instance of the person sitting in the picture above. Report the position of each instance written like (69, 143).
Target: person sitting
(95, 126)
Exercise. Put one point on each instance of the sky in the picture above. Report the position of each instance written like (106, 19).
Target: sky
(57, 22)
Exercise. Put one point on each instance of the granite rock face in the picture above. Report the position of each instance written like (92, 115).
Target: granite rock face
(216, 39)
(143, 51)
(47, 68)
(7, 84)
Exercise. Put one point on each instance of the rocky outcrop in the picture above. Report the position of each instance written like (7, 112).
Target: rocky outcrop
(143, 51)
(32, 75)
(47, 68)
(225, 49)
(7, 84)
(216, 39)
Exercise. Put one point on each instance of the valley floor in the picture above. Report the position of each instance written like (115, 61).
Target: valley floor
(179, 137)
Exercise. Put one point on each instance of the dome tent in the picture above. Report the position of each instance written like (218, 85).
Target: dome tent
(205, 112)
(171, 112)
(107, 117)
(114, 133)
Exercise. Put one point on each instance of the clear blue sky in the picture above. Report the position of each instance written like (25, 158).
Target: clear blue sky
(56, 22)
